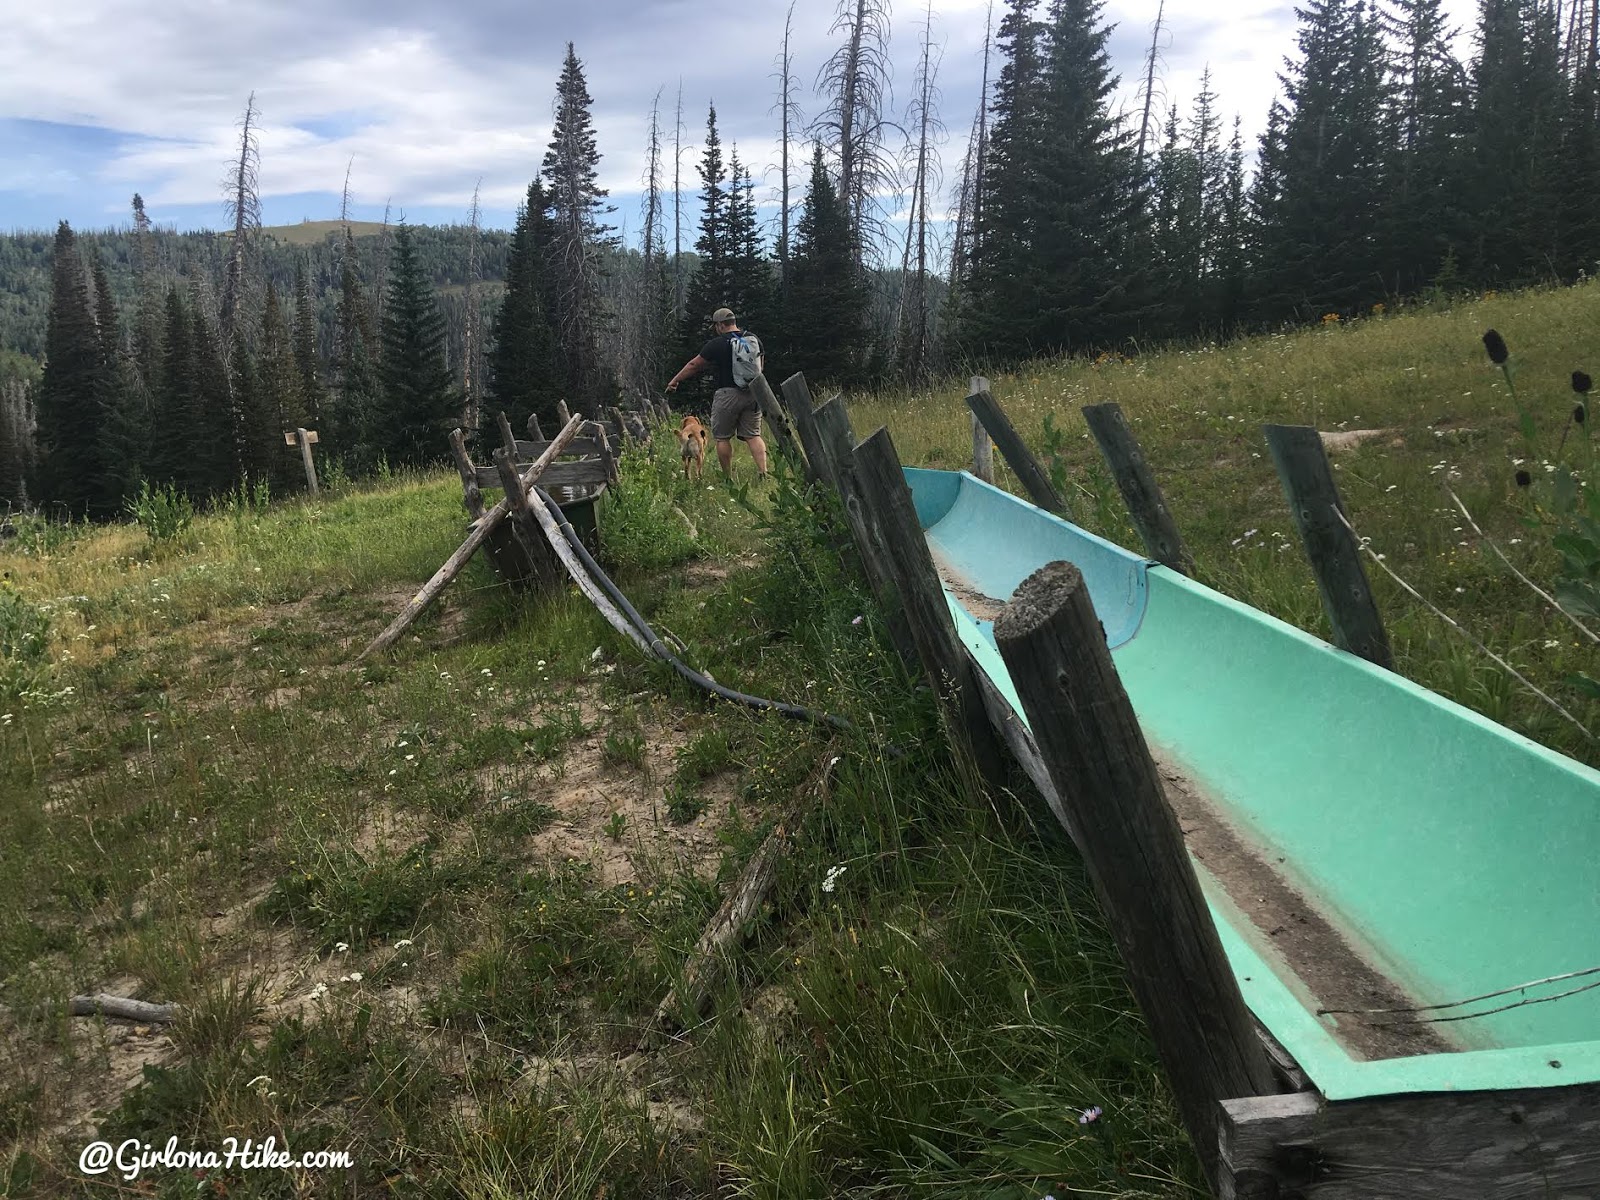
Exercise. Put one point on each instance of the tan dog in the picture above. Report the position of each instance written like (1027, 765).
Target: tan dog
(692, 444)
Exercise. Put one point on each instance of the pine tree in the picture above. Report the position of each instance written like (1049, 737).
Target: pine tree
(72, 387)
(1232, 273)
(123, 427)
(421, 401)
(212, 449)
(827, 305)
(1518, 103)
(751, 287)
(260, 433)
(1423, 219)
(1175, 230)
(148, 322)
(16, 443)
(711, 285)
(1578, 182)
(307, 359)
(522, 366)
(578, 237)
(1319, 244)
(279, 401)
(1006, 282)
(1085, 170)
(350, 416)
(175, 400)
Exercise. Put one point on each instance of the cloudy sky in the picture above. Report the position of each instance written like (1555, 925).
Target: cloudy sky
(102, 98)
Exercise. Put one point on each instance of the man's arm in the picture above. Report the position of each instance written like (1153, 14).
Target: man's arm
(695, 366)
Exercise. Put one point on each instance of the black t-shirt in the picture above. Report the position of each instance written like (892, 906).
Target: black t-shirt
(719, 353)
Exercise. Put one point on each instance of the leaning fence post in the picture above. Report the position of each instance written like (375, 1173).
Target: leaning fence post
(1055, 651)
(1140, 491)
(1314, 503)
(779, 424)
(797, 396)
(836, 440)
(905, 560)
(982, 443)
(1034, 480)
(471, 494)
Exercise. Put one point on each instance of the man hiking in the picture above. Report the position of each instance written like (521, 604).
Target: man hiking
(736, 358)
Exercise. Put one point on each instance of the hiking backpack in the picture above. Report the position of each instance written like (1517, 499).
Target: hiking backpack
(746, 358)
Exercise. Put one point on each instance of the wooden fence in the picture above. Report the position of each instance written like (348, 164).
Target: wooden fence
(1260, 1128)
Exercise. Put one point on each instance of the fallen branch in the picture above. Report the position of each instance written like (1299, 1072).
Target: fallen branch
(727, 926)
(580, 576)
(481, 529)
(122, 1009)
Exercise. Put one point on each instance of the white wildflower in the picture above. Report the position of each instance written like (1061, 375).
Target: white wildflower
(341, 947)
(832, 877)
(402, 943)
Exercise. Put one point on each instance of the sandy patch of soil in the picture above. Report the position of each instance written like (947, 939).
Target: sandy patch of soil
(1349, 439)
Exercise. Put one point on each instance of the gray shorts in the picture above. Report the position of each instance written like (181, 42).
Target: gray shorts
(734, 412)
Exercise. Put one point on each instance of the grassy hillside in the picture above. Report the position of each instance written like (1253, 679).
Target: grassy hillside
(1445, 419)
(314, 233)
(424, 908)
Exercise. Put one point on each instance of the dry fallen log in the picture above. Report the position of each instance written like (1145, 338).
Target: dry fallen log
(122, 1008)
(580, 575)
(480, 533)
(727, 926)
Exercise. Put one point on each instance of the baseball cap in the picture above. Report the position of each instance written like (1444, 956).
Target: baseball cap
(721, 315)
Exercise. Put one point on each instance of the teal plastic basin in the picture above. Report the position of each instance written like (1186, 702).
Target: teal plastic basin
(1455, 856)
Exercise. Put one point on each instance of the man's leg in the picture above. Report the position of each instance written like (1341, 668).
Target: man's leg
(725, 454)
(758, 451)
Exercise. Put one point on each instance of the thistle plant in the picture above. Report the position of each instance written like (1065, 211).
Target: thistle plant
(1564, 507)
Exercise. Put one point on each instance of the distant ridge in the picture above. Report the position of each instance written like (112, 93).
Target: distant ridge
(314, 233)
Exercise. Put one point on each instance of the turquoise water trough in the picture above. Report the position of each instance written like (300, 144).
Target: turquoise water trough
(1363, 843)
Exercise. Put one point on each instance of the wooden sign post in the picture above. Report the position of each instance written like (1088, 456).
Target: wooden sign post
(305, 439)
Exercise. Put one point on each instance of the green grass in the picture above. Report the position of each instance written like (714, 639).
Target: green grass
(203, 801)
(1423, 375)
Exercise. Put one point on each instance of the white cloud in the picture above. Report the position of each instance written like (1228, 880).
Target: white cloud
(428, 99)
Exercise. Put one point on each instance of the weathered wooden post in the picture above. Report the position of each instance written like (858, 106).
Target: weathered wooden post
(770, 409)
(1095, 752)
(1314, 503)
(471, 494)
(904, 559)
(797, 395)
(1034, 480)
(983, 452)
(1137, 483)
(534, 431)
(836, 442)
(305, 439)
(562, 413)
(524, 526)
(482, 530)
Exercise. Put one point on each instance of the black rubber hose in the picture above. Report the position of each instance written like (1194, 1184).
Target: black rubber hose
(661, 650)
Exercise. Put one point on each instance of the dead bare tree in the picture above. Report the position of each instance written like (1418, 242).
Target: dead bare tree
(645, 364)
(1151, 59)
(855, 82)
(914, 329)
(680, 282)
(788, 117)
(472, 334)
(244, 213)
(380, 270)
